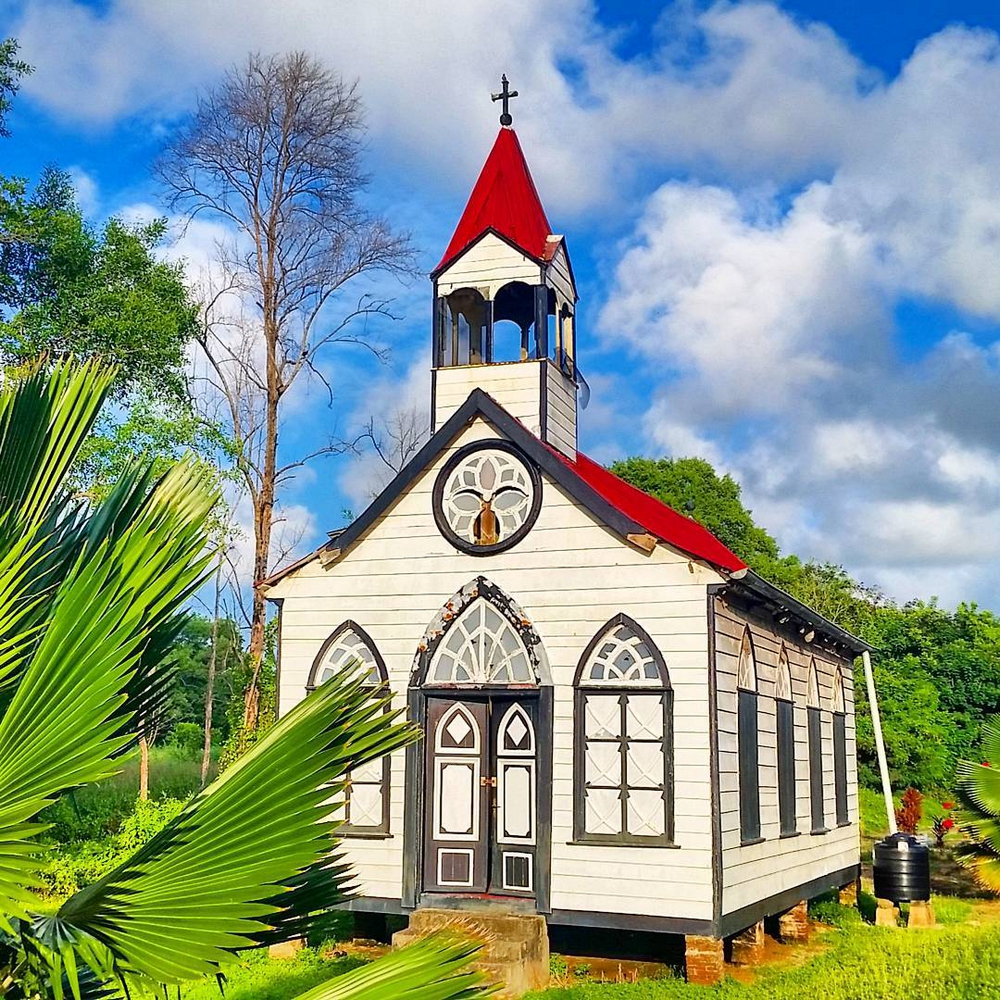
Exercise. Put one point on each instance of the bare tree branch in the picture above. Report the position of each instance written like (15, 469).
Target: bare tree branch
(274, 151)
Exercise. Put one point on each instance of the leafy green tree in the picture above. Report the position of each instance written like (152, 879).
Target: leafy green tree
(11, 71)
(90, 601)
(71, 288)
(692, 487)
(191, 654)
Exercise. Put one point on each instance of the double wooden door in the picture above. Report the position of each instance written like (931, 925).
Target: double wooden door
(481, 780)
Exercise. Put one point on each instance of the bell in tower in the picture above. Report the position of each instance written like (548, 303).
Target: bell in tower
(505, 300)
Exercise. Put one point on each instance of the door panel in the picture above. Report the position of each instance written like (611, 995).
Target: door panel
(514, 725)
(482, 814)
(456, 853)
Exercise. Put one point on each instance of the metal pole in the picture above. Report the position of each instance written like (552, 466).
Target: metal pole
(883, 764)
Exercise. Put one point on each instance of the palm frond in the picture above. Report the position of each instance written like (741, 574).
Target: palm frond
(435, 968)
(63, 724)
(229, 868)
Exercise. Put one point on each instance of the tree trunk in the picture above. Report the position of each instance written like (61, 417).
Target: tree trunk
(143, 768)
(263, 514)
(206, 757)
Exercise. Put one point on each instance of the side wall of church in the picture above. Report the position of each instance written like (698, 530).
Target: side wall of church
(760, 870)
(571, 576)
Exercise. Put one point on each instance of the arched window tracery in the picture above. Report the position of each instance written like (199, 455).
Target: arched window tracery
(624, 739)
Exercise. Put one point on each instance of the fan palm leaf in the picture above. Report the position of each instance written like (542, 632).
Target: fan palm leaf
(980, 784)
(433, 969)
(230, 866)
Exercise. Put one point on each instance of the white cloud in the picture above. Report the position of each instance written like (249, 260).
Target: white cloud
(86, 190)
(759, 301)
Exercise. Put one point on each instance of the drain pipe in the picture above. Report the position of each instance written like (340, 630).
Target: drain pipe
(883, 764)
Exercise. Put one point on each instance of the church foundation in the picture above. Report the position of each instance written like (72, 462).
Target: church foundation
(514, 947)
(793, 926)
(704, 960)
(748, 945)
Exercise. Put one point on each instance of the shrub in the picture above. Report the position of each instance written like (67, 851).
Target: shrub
(910, 810)
(70, 870)
(186, 741)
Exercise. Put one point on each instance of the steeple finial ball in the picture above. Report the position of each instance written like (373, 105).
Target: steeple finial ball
(505, 95)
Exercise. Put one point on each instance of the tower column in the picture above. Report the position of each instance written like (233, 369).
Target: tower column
(541, 321)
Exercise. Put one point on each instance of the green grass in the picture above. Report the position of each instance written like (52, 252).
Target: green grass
(959, 962)
(257, 977)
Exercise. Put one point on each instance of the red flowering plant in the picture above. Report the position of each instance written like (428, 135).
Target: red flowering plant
(943, 824)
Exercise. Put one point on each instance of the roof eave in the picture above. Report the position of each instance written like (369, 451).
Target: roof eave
(783, 601)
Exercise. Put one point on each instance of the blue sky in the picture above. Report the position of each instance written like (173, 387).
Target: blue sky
(784, 220)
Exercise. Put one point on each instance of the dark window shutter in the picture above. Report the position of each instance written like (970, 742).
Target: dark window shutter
(816, 770)
(840, 765)
(749, 774)
(786, 766)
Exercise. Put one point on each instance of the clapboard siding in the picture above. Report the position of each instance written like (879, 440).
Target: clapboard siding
(515, 385)
(755, 871)
(571, 576)
(560, 421)
(488, 265)
(559, 277)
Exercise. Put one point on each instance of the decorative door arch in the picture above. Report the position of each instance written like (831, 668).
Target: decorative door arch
(478, 806)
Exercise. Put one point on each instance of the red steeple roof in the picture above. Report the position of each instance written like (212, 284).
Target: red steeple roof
(503, 199)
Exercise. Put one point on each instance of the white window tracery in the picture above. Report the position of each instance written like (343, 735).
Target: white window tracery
(624, 740)
(349, 650)
(812, 687)
(783, 678)
(481, 647)
(838, 692)
(489, 478)
(746, 674)
(622, 657)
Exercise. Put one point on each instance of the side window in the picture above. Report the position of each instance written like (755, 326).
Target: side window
(746, 682)
(840, 748)
(366, 800)
(623, 754)
(785, 715)
(815, 720)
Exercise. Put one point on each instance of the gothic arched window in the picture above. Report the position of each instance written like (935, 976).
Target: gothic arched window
(623, 766)
(785, 713)
(815, 722)
(366, 799)
(481, 647)
(840, 747)
(746, 683)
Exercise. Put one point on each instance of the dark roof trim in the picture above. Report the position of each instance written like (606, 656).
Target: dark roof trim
(478, 404)
(776, 597)
(441, 268)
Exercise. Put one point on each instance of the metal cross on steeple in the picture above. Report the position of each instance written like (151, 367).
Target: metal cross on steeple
(505, 95)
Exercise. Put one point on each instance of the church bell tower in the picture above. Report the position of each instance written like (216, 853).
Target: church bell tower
(505, 302)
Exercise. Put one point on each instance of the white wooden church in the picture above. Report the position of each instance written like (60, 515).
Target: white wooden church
(625, 727)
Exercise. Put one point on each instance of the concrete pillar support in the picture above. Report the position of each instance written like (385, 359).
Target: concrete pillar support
(793, 926)
(704, 960)
(921, 915)
(887, 914)
(748, 946)
(848, 895)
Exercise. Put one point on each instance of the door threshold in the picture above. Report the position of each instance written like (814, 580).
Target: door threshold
(478, 901)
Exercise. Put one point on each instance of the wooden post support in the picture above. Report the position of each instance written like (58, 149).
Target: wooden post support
(921, 914)
(886, 914)
(793, 926)
(748, 946)
(883, 764)
(704, 960)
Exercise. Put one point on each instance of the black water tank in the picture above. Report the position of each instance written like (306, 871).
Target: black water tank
(902, 869)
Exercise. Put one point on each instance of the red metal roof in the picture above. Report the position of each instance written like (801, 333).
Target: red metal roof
(656, 517)
(504, 199)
